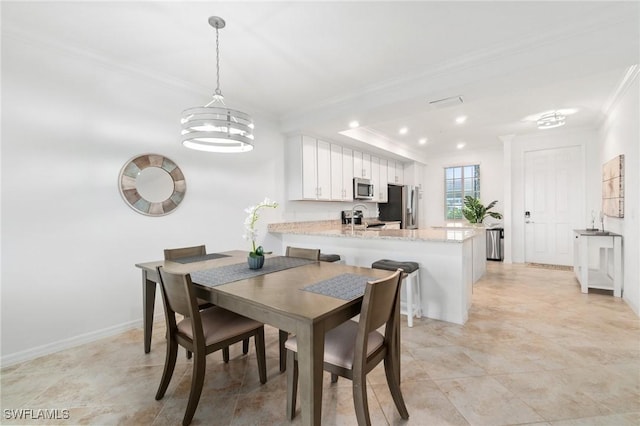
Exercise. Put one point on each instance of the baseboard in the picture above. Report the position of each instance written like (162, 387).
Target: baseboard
(71, 342)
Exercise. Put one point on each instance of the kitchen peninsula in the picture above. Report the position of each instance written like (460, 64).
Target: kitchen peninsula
(451, 259)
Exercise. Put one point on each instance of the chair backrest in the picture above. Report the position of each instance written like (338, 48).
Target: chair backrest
(177, 293)
(177, 253)
(178, 297)
(380, 305)
(304, 253)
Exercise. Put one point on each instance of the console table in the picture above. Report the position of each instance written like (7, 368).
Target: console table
(598, 260)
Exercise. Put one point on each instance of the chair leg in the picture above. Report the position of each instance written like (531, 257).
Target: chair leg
(245, 346)
(197, 380)
(260, 354)
(169, 366)
(418, 294)
(360, 399)
(282, 338)
(292, 385)
(225, 354)
(394, 387)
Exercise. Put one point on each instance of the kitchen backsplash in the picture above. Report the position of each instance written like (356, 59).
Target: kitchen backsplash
(302, 211)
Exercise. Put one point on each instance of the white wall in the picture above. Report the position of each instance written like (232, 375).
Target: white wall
(620, 134)
(491, 181)
(69, 242)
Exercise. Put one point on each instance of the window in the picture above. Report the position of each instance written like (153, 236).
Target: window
(459, 182)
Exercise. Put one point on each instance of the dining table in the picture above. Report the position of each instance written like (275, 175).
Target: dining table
(299, 296)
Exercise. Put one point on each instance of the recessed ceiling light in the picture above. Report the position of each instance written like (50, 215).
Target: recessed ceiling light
(460, 145)
(461, 119)
(422, 141)
(403, 130)
(354, 124)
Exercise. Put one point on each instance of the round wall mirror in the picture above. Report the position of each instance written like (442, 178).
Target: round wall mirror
(152, 184)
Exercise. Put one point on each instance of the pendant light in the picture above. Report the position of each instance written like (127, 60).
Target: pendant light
(214, 127)
(551, 120)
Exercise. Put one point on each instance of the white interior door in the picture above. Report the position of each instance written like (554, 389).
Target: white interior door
(553, 200)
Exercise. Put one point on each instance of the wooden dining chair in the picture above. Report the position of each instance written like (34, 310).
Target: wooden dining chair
(304, 253)
(353, 348)
(193, 251)
(200, 332)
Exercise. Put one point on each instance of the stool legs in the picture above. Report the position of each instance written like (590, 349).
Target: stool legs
(412, 290)
(418, 295)
(408, 288)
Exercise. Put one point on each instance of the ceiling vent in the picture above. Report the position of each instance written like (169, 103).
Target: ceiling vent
(447, 102)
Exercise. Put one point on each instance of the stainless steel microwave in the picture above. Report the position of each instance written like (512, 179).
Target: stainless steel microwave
(362, 189)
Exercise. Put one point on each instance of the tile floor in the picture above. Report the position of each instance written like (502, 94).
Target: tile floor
(534, 351)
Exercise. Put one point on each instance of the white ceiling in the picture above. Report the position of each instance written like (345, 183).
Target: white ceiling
(315, 66)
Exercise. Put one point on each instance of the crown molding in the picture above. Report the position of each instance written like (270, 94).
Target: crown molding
(625, 83)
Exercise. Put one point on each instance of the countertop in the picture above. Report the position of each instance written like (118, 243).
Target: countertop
(595, 233)
(335, 229)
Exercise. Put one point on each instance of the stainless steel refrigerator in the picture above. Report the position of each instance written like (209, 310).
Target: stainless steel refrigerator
(402, 206)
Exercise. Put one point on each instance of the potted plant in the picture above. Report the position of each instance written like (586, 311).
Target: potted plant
(256, 255)
(475, 212)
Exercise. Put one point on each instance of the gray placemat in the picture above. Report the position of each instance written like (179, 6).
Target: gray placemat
(191, 259)
(345, 286)
(240, 271)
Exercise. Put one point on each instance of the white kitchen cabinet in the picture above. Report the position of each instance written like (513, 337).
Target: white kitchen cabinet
(597, 260)
(308, 169)
(375, 177)
(395, 170)
(320, 170)
(361, 164)
(382, 188)
(347, 173)
(341, 173)
(309, 161)
(324, 170)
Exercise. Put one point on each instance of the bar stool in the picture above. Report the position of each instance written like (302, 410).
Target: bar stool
(411, 279)
(329, 257)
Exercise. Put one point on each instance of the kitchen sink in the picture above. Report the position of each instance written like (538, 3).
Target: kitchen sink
(598, 233)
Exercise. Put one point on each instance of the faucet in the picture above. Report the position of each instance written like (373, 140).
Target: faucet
(353, 212)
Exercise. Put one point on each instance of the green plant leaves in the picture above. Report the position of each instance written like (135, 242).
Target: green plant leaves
(475, 212)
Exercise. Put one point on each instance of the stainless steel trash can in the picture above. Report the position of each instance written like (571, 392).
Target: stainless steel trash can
(495, 237)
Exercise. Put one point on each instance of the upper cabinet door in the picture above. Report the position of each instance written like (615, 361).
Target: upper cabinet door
(337, 191)
(324, 170)
(361, 165)
(395, 170)
(382, 189)
(309, 168)
(375, 177)
(399, 172)
(366, 165)
(357, 164)
(347, 174)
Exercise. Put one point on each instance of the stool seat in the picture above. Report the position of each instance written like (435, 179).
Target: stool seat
(393, 265)
(330, 258)
(410, 282)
